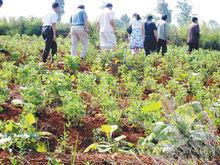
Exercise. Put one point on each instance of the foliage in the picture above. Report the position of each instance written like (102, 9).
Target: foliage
(170, 102)
(163, 9)
(185, 11)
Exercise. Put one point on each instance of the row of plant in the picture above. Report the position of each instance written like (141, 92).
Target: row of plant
(172, 101)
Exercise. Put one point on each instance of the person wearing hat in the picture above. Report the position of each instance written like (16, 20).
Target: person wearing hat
(193, 35)
(151, 36)
(163, 34)
(49, 32)
(79, 31)
(106, 26)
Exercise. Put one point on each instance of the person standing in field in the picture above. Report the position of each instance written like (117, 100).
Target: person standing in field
(151, 36)
(79, 31)
(106, 26)
(49, 32)
(193, 35)
(163, 34)
(136, 37)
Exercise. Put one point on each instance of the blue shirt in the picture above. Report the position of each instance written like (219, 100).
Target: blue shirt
(78, 18)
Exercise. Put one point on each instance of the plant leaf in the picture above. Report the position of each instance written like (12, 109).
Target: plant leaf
(93, 146)
(109, 129)
(30, 119)
(41, 147)
(152, 107)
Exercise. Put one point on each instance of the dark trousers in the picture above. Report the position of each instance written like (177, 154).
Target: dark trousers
(162, 44)
(193, 46)
(150, 45)
(50, 44)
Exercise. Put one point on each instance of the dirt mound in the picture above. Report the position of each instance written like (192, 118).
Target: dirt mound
(35, 159)
(119, 159)
(10, 112)
(84, 67)
(82, 136)
(4, 157)
(52, 122)
(14, 91)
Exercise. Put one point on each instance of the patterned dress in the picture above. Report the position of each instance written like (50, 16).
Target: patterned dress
(136, 38)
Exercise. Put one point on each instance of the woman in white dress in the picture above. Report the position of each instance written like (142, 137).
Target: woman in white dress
(136, 36)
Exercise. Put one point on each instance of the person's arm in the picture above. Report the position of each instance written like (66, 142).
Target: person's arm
(155, 32)
(98, 24)
(167, 31)
(86, 22)
(71, 19)
(54, 31)
(112, 22)
(143, 29)
(198, 32)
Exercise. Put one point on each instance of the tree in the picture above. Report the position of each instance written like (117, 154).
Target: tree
(213, 24)
(163, 9)
(123, 22)
(61, 4)
(184, 15)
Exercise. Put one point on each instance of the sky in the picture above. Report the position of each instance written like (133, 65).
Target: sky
(206, 10)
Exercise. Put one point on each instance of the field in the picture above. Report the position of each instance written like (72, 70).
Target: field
(112, 108)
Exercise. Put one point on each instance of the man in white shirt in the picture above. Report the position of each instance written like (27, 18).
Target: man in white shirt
(106, 26)
(49, 32)
(163, 34)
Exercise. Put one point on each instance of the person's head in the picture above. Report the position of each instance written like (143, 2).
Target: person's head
(137, 16)
(109, 6)
(81, 7)
(164, 17)
(56, 7)
(1, 3)
(149, 18)
(195, 20)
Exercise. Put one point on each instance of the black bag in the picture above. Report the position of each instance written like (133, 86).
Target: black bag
(129, 29)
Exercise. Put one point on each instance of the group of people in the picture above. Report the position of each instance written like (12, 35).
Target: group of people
(148, 35)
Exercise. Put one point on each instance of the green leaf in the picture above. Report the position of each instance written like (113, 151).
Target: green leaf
(152, 107)
(41, 147)
(30, 119)
(109, 129)
(8, 127)
(93, 146)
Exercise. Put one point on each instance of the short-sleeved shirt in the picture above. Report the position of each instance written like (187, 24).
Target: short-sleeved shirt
(193, 33)
(105, 20)
(163, 30)
(149, 28)
(136, 24)
(79, 18)
(50, 19)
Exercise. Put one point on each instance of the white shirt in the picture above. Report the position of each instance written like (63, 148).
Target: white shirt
(104, 20)
(163, 30)
(50, 19)
(136, 24)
